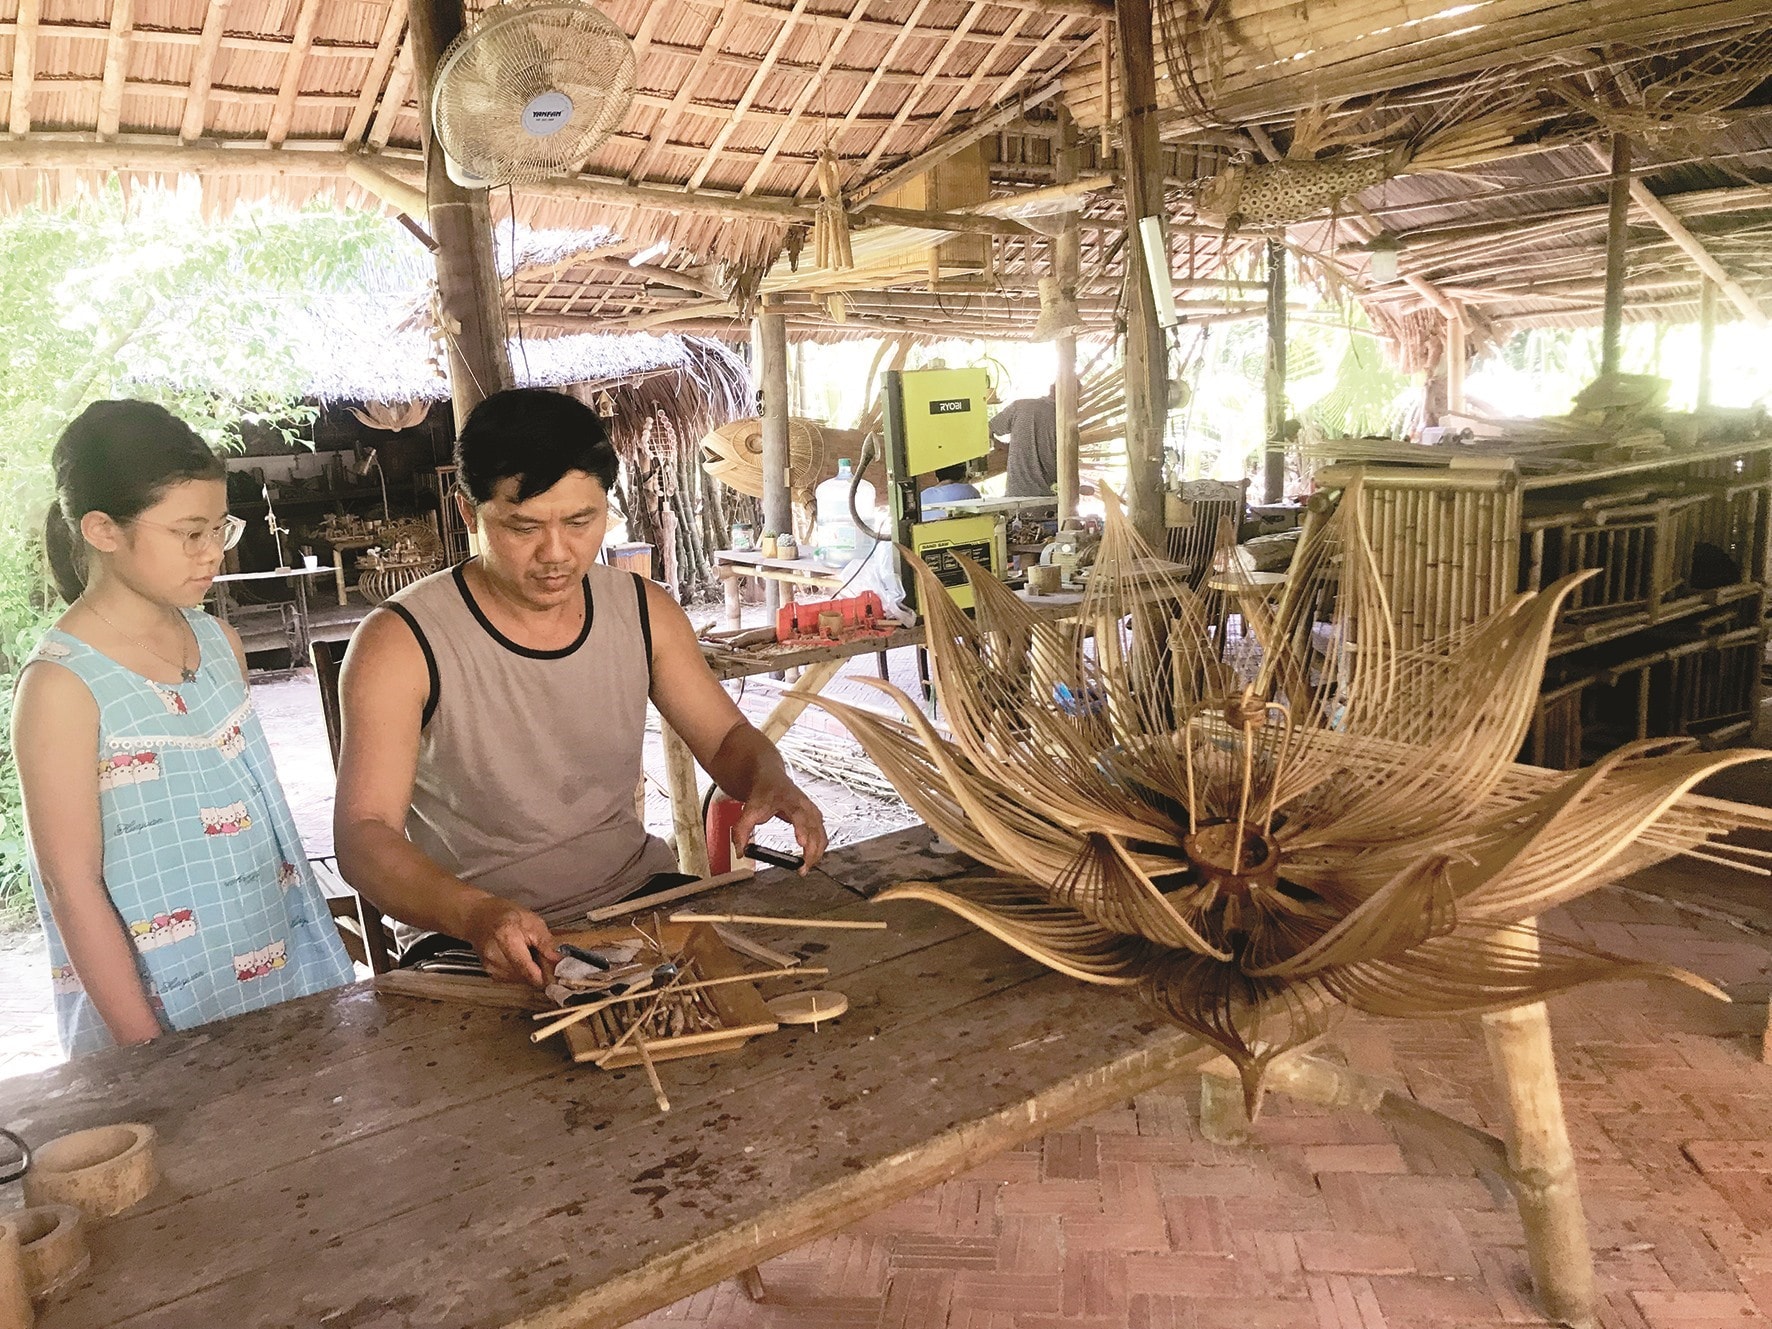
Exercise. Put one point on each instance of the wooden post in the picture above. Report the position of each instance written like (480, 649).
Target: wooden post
(772, 380)
(692, 845)
(1541, 1162)
(461, 224)
(1617, 243)
(1707, 336)
(1066, 263)
(1455, 354)
(1141, 165)
(1273, 470)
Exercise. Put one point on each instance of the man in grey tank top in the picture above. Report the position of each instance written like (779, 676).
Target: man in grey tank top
(494, 713)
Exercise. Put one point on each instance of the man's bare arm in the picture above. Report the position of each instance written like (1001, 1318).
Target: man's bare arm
(382, 698)
(729, 747)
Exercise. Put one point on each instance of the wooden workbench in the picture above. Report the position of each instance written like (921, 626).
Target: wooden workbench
(364, 1159)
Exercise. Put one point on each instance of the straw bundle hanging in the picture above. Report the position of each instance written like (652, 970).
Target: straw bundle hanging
(830, 223)
(1348, 827)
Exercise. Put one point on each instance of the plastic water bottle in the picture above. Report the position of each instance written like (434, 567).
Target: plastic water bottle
(834, 535)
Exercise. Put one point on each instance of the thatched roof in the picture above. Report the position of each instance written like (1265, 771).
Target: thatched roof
(716, 156)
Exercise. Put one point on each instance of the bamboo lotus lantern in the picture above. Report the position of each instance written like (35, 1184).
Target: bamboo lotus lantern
(1344, 827)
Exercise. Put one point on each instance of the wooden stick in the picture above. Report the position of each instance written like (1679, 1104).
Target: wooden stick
(605, 912)
(664, 1104)
(755, 949)
(574, 1014)
(765, 920)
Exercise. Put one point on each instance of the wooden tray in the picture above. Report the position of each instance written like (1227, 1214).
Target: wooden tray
(740, 1009)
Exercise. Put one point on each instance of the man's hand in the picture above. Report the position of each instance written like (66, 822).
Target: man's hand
(510, 941)
(775, 795)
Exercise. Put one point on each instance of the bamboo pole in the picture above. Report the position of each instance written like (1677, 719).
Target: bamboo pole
(692, 847)
(1273, 469)
(1545, 1184)
(1067, 252)
(1455, 364)
(1617, 244)
(770, 369)
(467, 272)
(1707, 336)
(1146, 353)
(1663, 217)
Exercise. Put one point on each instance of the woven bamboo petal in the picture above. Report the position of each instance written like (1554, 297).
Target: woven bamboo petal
(1108, 887)
(1250, 1020)
(988, 822)
(1411, 907)
(1471, 973)
(1019, 914)
(1575, 838)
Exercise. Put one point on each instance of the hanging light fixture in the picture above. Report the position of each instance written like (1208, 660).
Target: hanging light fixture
(1382, 251)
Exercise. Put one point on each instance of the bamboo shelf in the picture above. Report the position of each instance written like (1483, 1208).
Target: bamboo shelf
(1665, 636)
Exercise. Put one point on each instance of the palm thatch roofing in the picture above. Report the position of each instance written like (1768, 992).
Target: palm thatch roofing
(1465, 132)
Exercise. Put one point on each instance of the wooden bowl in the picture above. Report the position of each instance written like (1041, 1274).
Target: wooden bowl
(15, 1301)
(52, 1240)
(101, 1172)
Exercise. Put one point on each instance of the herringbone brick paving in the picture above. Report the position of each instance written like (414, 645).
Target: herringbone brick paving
(1131, 1220)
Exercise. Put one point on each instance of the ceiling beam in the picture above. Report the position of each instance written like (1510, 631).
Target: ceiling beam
(393, 99)
(170, 157)
(283, 113)
(1676, 231)
(203, 70)
(802, 100)
(667, 120)
(386, 49)
(949, 47)
(985, 124)
(24, 65)
(742, 107)
(110, 95)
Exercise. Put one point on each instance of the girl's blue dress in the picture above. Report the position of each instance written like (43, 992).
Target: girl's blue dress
(201, 855)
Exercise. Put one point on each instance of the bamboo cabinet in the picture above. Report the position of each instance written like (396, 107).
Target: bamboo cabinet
(1667, 634)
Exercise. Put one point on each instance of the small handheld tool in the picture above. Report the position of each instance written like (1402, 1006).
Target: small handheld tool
(774, 857)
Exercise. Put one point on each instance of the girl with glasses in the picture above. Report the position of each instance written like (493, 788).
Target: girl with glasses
(167, 869)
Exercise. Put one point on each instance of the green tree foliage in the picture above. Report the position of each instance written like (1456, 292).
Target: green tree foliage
(141, 297)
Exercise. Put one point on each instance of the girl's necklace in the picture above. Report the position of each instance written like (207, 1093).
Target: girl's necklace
(187, 672)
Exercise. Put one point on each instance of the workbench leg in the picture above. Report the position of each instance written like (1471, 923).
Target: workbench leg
(810, 683)
(338, 575)
(1542, 1163)
(734, 597)
(692, 845)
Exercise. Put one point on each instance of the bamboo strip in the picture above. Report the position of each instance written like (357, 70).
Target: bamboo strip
(658, 1093)
(768, 920)
(574, 1013)
(656, 899)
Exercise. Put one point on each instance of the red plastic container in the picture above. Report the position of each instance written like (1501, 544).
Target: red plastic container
(862, 613)
(722, 820)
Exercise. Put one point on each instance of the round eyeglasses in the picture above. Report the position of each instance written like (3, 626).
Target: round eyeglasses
(225, 534)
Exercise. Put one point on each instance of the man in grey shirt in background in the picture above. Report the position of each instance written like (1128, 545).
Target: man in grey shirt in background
(1031, 425)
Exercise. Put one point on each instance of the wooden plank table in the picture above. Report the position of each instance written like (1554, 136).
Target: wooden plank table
(362, 1159)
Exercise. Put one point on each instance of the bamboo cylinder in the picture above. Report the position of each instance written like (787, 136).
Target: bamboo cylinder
(15, 1300)
(692, 846)
(1542, 1163)
(101, 1172)
(52, 1246)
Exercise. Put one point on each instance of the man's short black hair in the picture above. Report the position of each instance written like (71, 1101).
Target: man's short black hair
(534, 436)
